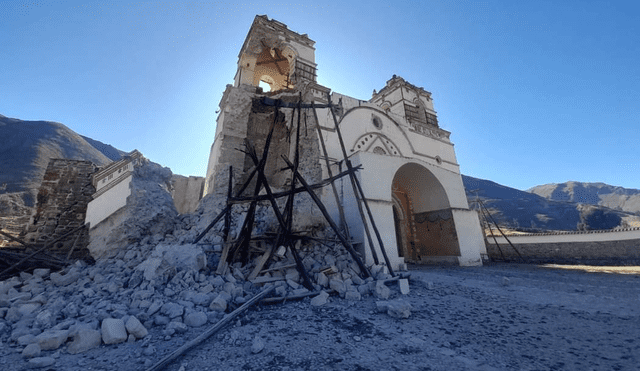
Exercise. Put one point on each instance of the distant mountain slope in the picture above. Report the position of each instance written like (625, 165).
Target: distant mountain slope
(528, 211)
(601, 194)
(111, 152)
(26, 148)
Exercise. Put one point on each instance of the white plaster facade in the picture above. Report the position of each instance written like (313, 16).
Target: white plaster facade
(571, 237)
(410, 175)
(112, 185)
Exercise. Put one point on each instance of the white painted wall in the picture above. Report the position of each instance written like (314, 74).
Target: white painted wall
(590, 236)
(109, 202)
(470, 237)
(376, 179)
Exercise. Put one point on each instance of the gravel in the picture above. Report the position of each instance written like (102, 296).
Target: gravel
(459, 319)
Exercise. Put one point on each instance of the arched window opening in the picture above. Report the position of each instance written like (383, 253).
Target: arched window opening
(266, 87)
(273, 68)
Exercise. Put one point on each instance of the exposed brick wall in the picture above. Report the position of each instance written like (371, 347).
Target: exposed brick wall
(61, 204)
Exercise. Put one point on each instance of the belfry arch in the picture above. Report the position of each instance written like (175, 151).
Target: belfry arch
(273, 67)
(424, 224)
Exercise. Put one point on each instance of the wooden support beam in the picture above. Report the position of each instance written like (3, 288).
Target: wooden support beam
(225, 210)
(212, 330)
(359, 194)
(47, 244)
(277, 102)
(215, 220)
(274, 205)
(260, 263)
(333, 225)
(14, 239)
(323, 183)
(343, 219)
(356, 194)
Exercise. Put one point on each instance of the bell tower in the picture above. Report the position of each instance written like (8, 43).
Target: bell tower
(276, 56)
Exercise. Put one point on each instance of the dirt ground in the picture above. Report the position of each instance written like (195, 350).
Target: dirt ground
(496, 317)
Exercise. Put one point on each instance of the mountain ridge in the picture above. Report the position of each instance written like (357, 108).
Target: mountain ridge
(594, 193)
(527, 211)
(27, 146)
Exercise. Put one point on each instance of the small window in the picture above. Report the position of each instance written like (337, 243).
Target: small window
(377, 123)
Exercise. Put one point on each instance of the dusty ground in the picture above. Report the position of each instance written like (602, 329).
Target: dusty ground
(496, 317)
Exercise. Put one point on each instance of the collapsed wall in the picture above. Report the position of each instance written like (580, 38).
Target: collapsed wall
(149, 215)
(61, 204)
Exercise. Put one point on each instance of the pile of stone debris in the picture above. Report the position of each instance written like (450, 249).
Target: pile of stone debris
(119, 299)
(152, 275)
(161, 280)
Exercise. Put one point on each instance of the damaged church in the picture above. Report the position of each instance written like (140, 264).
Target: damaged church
(401, 195)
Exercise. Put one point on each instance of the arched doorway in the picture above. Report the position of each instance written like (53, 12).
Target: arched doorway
(423, 218)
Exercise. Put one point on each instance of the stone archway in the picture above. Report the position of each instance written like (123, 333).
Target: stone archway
(423, 214)
(273, 67)
(400, 226)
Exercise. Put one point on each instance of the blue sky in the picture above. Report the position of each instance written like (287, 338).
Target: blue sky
(533, 92)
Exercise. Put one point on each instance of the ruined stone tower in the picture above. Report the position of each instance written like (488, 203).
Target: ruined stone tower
(410, 175)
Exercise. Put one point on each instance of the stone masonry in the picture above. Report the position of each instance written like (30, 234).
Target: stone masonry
(61, 204)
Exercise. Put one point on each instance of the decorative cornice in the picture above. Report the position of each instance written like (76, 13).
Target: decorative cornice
(397, 82)
(114, 166)
(429, 131)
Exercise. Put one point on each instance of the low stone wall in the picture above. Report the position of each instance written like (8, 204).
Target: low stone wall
(591, 247)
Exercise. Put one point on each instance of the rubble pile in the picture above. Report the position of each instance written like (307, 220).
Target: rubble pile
(154, 278)
(118, 300)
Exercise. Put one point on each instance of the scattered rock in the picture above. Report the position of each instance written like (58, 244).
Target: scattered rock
(396, 308)
(322, 280)
(403, 284)
(31, 351)
(382, 291)
(172, 310)
(353, 295)
(52, 339)
(84, 339)
(338, 286)
(195, 319)
(40, 362)
(219, 304)
(64, 280)
(258, 345)
(113, 331)
(176, 327)
(136, 328)
(41, 272)
(320, 299)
